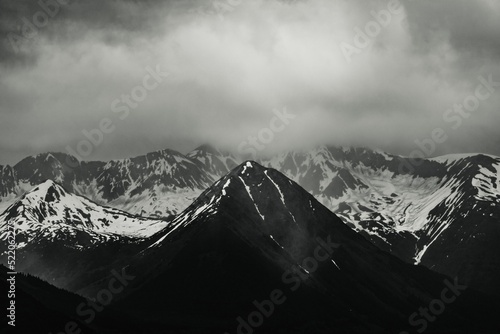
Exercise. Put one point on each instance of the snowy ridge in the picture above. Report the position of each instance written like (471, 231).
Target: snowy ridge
(49, 210)
(158, 184)
(367, 190)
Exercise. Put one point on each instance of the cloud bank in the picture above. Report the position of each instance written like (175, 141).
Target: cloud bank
(230, 68)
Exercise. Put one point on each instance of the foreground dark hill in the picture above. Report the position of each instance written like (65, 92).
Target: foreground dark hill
(40, 307)
(255, 235)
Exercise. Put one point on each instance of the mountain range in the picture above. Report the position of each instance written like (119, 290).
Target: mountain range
(206, 227)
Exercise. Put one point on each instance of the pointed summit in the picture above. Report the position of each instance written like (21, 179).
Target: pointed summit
(48, 191)
(50, 209)
(249, 168)
(55, 166)
(254, 199)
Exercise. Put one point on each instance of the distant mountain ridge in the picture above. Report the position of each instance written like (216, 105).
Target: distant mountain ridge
(137, 185)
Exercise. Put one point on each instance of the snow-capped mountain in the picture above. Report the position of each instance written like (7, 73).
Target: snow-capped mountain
(441, 212)
(65, 238)
(167, 168)
(255, 231)
(49, 208)
(158, 184)
(43, 306)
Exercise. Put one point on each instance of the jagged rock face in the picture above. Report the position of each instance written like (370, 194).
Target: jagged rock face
(35, 170)
(158, 184)
(137, 175)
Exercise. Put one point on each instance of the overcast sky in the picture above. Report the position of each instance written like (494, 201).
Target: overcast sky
(230, 66)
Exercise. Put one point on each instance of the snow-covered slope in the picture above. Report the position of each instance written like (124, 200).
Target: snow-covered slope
(157, 184)
(48, 212)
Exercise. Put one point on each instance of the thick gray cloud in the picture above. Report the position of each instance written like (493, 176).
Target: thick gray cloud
(230, 68)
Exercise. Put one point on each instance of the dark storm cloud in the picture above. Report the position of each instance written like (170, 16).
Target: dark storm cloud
(119, 20)
(231, 68)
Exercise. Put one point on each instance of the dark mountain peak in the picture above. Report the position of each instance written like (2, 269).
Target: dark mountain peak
(249, 169)
(264, 209)
(484, 160)
(251, 178)
(232, 182)
(55, 166)
(256, 199)
(248, 185)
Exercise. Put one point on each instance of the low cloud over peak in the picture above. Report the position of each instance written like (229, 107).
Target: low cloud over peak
(230, 68)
